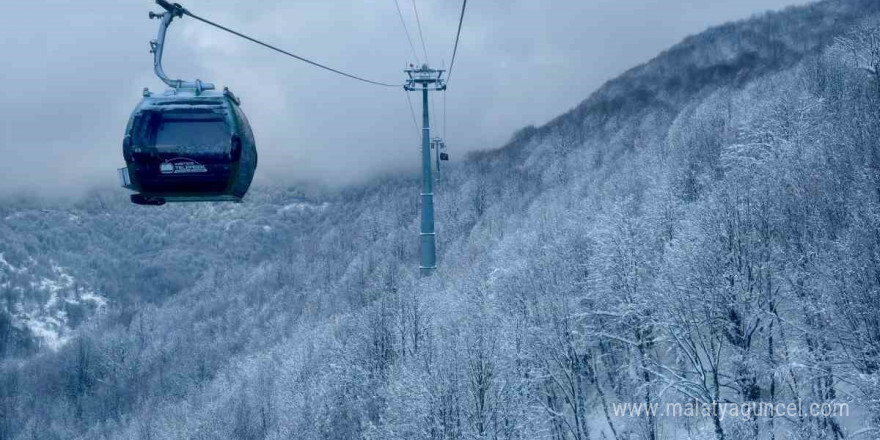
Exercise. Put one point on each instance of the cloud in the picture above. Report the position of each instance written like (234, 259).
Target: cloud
(73, 72)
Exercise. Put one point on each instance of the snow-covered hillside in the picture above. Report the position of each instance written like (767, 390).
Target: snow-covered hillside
(704, 228)
(50, 306)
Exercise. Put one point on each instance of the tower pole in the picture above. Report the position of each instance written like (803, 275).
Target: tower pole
(428, 236)
(426, 80)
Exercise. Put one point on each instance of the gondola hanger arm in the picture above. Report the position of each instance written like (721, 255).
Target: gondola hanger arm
(157, 47)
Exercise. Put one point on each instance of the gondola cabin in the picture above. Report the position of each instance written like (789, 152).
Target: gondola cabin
(188, 145)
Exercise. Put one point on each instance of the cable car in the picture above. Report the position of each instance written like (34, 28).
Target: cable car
(188, 144)
(185, 147)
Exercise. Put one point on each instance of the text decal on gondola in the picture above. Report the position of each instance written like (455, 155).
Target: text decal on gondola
(182, 166)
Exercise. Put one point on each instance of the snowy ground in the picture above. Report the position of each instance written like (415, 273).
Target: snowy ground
(43, 301)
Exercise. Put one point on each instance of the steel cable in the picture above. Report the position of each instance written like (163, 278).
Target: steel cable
(269, 46)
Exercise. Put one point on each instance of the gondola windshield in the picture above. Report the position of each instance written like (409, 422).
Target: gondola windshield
(179, 134)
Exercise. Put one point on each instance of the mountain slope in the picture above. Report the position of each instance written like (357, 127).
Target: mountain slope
(704, 227)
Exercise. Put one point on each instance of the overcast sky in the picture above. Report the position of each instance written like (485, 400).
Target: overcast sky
(73, 71)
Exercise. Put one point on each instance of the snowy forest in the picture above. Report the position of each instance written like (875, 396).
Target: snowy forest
(704, 228)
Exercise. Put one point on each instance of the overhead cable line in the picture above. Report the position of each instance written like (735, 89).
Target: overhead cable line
(421, 36)
(406, 31)
(413, 113)
(444, 114)
(433, 113)
(457, 35)
(179, 10)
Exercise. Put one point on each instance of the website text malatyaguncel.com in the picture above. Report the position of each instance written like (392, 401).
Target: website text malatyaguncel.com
(723, 410)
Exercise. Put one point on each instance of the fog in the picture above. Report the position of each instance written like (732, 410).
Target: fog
(73, 71)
